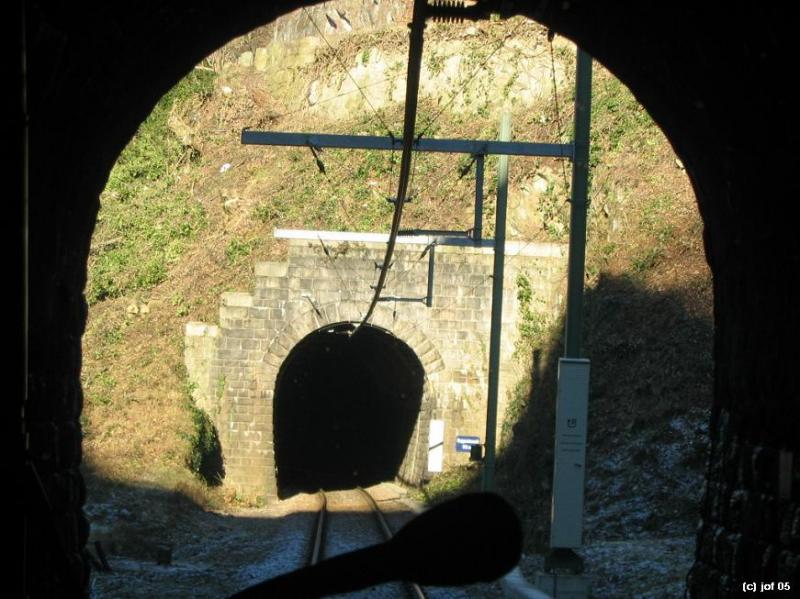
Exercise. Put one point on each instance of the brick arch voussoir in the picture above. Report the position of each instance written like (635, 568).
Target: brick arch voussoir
(332, 313)
(294, 332)
(412, 335)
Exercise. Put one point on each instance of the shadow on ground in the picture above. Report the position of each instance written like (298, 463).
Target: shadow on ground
(650, 395)
(163, 544)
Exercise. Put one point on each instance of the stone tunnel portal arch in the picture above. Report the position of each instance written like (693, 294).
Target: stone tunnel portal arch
(345, 409)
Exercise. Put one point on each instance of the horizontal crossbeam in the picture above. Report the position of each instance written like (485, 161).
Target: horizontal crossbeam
(435, 232)
(393, 298)
(375, 142)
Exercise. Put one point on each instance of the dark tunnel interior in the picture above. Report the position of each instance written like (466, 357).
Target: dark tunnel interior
(345, 409)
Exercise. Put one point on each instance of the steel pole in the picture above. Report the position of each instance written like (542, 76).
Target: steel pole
(497, 308)
(477, 230)
(566, 516)
(578, 203)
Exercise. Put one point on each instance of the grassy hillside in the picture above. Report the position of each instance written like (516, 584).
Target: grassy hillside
(188, 210)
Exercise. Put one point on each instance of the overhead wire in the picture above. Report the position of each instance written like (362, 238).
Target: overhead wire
(470, 78)
(462, 88)
(409, 124)
(417, 193)
(559, 134)
(413, 169)
(400, 277)
(347, 72)
(412, 159)
(559, 124)
(316, 152)
(308, 107)
(458, 92)
(403, 276)
(559, 131)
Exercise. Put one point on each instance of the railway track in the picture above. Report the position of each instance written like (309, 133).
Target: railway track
(330, 536)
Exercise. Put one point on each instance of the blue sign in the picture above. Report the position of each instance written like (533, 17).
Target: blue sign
(464, 443)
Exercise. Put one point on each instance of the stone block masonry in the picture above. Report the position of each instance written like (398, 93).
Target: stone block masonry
(233, 366)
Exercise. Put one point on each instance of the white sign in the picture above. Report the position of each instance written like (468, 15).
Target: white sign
(435, 445)
(569, 465)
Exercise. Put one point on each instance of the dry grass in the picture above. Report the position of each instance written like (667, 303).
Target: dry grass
(643, 225)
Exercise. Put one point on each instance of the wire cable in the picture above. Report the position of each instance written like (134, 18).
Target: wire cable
(325, 248)
(335, 268)
(308, 107)
(559, 134)
(347, 72)
(409, 123)
(470, 78)
(557, 107)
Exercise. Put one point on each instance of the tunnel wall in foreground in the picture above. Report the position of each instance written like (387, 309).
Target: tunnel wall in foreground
(234, 366)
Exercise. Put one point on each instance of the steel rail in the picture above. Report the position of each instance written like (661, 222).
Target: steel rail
(413, 588)
(319, 530)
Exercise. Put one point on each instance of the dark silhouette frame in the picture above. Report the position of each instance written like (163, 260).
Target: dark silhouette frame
(715, 77)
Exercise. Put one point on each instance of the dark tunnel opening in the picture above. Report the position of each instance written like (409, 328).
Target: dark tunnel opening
(345, 409)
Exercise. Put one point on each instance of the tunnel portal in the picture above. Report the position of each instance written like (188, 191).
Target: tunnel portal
(416, 374)
(345, 409)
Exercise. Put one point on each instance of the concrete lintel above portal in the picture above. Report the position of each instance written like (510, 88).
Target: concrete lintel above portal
(486, 246)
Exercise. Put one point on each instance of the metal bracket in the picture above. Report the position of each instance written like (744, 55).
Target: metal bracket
(392, 298)
(428, 299)
(316, 151)
(311, 301)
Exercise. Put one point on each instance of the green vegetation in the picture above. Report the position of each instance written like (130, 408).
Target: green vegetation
(144, 226)
(656, 223)
(204, 457)
(436, 63)
(554, 211)
(536, 335)
(532, 324)
(516, 407)
(204, 454)
(110, 335)
(220, 390)
(618, 120)
(374, 163)
(451, 483)
(267, 212)
(104, 384)
(181, 305)
(238, 249)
